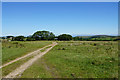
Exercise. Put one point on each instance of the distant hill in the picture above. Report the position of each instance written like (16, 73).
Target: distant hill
(102, 36)
(97, 36)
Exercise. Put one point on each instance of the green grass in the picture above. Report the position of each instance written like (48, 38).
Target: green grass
(85, 59)
(15, 49)
(7, 69)
(38, 70)
(45, 49)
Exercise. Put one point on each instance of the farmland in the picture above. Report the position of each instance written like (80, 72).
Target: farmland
(77, 59)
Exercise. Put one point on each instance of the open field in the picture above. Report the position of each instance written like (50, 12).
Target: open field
(68, 59)
(68, 40)
(21, 60)
(77, 59)
(7, 69)
(24, 66)
(15, 49)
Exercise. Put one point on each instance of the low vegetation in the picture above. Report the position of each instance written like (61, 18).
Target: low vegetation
(73, 57)
(14, 49)
(77, 59)
(7, 69)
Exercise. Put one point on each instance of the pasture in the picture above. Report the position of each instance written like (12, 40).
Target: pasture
(77, 59)
(14, 49)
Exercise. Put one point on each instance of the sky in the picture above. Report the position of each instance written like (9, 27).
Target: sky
(60, 0)
(74, 18)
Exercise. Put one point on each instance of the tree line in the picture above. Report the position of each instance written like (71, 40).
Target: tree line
(40, 35)
(46, 35)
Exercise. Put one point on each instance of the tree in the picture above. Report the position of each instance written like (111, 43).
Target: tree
(19, 38)
(3, 38)
(51, 36)
(65, 37)
(76, 38)
(30, 38)
(10, 38)
(43, 35)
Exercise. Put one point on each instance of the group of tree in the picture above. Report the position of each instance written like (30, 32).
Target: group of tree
(46, 35)
(41, 35)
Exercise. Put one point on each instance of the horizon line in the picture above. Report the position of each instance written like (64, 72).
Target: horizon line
(74, 35)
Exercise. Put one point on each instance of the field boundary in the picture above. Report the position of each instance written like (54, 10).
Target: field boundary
(27, 55)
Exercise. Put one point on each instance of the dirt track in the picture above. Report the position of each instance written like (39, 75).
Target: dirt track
(23, 67)
(29, 54)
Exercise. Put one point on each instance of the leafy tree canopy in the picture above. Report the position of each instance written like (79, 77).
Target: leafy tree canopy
(65, 37)
(43, 35)
(9, 36)
(19, 38)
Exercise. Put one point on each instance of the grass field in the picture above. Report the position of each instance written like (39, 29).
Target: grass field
(14, 49)
(77, 59)
(6, 70)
